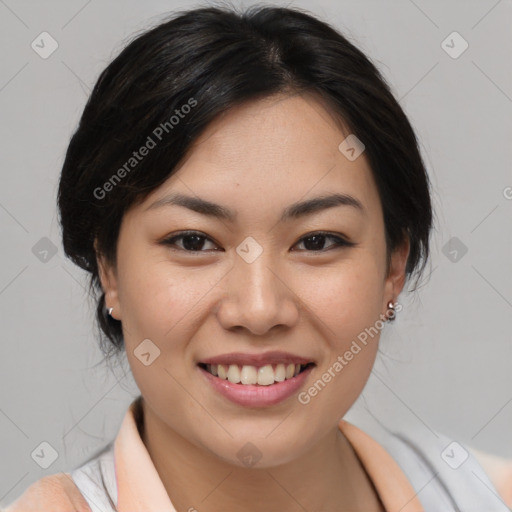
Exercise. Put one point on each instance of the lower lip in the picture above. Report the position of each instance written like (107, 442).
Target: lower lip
(256, 395)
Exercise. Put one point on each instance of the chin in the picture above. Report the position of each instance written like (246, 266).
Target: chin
(258, 452)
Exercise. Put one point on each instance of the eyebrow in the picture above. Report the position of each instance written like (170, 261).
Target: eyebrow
(294, 211)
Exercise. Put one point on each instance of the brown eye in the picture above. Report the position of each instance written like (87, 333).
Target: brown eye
(315, 241)
(192, 241)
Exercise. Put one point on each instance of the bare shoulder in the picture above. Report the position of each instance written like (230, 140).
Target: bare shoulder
(52, 493)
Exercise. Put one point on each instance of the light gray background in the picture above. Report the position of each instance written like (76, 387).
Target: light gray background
(447, 358)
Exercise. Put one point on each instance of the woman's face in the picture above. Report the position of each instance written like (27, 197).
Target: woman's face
(256, 283)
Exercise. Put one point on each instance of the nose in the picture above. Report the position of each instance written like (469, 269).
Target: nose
(258, 297)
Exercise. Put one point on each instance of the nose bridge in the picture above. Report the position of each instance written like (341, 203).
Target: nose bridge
(256, 296)
(256, 280)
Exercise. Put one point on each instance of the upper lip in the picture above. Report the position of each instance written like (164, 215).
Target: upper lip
(241, 359)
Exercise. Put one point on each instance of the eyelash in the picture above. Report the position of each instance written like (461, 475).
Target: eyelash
(341, 242)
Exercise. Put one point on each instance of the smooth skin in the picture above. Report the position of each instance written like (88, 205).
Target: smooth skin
(302, 295)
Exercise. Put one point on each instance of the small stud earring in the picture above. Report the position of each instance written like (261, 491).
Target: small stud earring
(391, 313)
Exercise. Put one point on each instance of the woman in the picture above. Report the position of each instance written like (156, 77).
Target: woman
(249, 200)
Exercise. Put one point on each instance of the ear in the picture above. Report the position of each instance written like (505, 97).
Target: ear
(395, 279)
(108, 279)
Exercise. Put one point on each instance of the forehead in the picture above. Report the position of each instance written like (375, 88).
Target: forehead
(280, 149)
(276, 129)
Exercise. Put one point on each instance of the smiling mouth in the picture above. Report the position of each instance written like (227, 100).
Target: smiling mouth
(265, 375)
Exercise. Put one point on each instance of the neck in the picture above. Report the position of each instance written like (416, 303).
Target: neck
(328, 477)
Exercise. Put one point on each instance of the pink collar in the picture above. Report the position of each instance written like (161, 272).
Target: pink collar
(139, 486)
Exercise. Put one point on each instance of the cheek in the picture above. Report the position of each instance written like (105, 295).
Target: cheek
(346, 298)
(163, 304)
(161, 301)
(345, 305)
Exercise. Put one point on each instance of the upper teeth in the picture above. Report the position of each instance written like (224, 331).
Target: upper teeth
(247, 374)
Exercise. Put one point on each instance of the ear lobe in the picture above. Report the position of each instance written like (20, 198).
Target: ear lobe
(108, 282)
